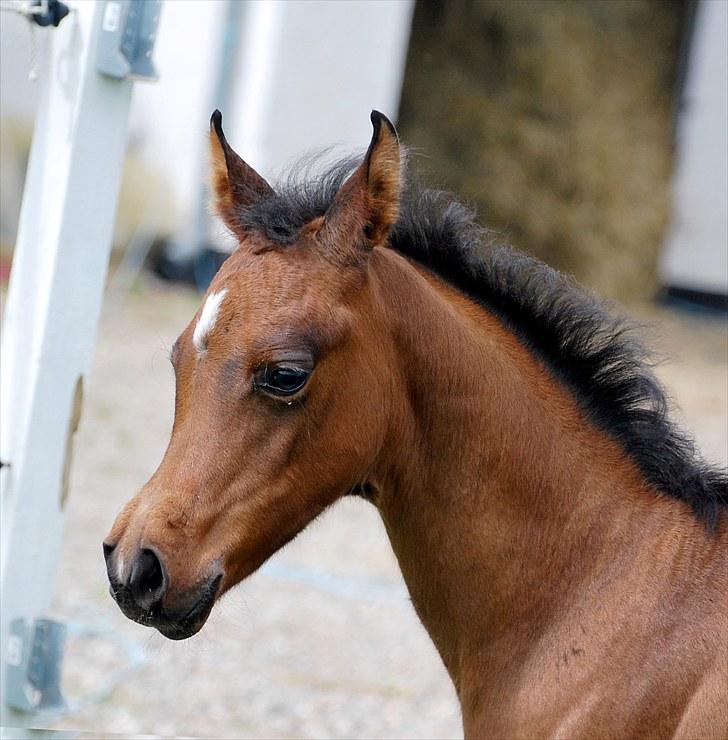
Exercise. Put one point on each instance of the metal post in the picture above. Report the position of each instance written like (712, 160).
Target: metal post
(52, 311)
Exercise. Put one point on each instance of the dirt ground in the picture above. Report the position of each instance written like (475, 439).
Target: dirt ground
(323, 641)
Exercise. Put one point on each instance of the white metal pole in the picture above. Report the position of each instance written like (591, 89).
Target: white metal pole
(53, 304)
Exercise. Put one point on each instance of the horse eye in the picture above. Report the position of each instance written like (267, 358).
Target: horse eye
(282, 379)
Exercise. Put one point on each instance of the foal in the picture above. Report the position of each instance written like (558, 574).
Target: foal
(562, 543)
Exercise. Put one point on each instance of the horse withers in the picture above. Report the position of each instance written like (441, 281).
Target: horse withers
(562, 542)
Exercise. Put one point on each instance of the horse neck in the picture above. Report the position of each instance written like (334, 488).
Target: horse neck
(500, 500)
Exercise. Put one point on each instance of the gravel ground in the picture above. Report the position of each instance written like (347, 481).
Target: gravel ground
(323, 641)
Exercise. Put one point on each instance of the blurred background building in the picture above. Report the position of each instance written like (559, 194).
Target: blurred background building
(591, 134)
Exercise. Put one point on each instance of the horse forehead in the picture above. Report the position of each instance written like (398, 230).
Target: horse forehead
(231, 299)
(260, 290)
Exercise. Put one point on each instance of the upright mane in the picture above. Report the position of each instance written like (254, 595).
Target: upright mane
(596, 355)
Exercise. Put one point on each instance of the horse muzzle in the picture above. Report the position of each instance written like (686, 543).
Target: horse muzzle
(143, 595)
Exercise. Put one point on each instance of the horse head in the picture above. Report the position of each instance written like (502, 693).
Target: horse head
(282, 386)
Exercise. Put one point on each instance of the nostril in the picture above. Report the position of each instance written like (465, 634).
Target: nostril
(147, 582)
(108, 550)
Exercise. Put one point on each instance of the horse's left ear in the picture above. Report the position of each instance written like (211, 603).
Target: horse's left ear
(235, 184)
(366, 206)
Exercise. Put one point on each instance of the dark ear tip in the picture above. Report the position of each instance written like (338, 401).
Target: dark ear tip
(378, 119)
(216, 121)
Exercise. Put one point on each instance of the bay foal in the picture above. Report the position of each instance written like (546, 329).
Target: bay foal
(562, 543)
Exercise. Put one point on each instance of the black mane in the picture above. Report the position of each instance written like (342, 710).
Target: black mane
(595, 354)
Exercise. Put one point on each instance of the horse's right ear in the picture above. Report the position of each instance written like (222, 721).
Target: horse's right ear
(235, 184)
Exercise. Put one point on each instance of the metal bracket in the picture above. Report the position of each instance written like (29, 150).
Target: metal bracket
(126, 41)
(33, 659)
(49, 12)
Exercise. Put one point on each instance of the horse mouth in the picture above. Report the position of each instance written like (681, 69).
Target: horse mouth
(170, 623)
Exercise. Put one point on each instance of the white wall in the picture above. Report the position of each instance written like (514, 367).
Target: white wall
(311, 72)
(170, 117)
(306, 76)
(696, 251)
